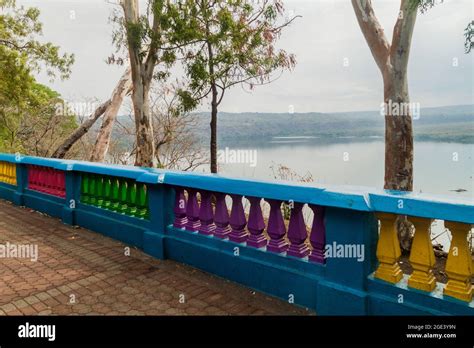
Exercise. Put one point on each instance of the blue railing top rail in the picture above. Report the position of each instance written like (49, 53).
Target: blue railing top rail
(349, 197)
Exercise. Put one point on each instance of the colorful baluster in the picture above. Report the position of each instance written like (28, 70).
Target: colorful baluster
(115, 192)
(422, 256)
(32, 177)
(131, 198)
(192, 211)
(318, 235)
(256, 224)
(56, 183)
(13, 166)
(142, 209)
(92, 189)
(206, 214)
(459, 263)
(48, 182)
(62, 184)
(107, 193)
(276, 228)
(123, 196)
(221, 217)
(388, 250)
(100, 191)
(179, 210)
(85, 197)
(297, 232)
(3, 171)
(238, 233)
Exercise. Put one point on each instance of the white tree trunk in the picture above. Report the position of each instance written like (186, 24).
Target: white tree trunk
(102, 142)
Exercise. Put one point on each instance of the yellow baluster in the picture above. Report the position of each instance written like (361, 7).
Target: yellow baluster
(15, 182)
(3, 177)
(388, 250)
(422, 256)
(459, 263)
(8, 173)
(13, 173)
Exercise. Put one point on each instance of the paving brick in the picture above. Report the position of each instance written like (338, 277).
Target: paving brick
(105, 282)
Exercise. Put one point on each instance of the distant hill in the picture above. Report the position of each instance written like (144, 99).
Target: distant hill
(448, 123)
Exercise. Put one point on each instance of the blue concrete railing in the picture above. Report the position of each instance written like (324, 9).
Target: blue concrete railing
(336, 254)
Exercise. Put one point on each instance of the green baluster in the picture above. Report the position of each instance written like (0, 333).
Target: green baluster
(123, 196)
(100, 191)
(132, 198)
(115, 195)
(85, 189)
(107, 193)
(93, 189)
(142, 202)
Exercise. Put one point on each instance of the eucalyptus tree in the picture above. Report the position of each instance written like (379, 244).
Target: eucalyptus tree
(391, 58)
(229, 43)
(146, 37)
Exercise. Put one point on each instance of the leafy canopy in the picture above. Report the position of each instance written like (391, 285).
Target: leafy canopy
(230, 42)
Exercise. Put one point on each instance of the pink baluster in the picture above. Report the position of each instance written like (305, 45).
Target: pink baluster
(32, 177)
(62, 184)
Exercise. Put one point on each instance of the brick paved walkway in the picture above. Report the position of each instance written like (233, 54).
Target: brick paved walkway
(78, 264)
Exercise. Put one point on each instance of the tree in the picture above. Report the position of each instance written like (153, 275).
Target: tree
(102, 142)
(174, 133)
(232, 43)
(145, 37)
(392, 60)
(28, 121)
(19, 31)
(469, 35)
(174, 129)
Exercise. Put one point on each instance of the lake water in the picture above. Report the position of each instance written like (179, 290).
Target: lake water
(439, 168)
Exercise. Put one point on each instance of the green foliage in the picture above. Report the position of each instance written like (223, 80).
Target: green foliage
(19, 29)
(28, 121)
(229, 43)
(469, 35)
(423, 5)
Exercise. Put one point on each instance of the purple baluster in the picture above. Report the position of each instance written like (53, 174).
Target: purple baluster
(276, 228)
(256, 224)
(206, 215)
(221, 217)
(297, 233)
(237, 220)
(318, 235)
(192, 211)
(179, 210)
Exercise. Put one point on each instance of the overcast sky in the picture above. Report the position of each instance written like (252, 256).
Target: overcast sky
(323, 39)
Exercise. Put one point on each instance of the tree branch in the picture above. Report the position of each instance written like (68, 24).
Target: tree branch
(373, 32)
(402, 35)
